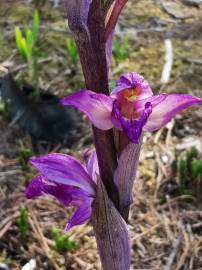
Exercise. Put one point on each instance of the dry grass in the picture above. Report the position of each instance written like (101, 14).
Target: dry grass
(164, 236)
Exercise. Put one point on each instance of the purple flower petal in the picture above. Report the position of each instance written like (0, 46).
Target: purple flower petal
(132, 127)
(64, 169)
(133, 80)
(166, 106)
(35, 187)
(81, 215)
(39, 187)
(67, 195)
(97, 107)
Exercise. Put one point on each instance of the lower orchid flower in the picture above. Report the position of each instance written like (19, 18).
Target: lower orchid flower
(131, 107)
(69, 181)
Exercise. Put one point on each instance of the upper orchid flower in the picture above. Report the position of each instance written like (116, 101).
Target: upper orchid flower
(69, 181)
(131, 107)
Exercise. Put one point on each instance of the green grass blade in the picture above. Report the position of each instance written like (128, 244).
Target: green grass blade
(19, 42)
(35, 27)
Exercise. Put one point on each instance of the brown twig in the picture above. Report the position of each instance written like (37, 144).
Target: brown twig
(176, 246)
(184, 255)
(37, 229)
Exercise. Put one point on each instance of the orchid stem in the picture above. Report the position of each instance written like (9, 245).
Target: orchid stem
(91, 45)
(110, 228)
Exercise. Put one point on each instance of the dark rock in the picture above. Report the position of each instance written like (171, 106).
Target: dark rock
(45, 119)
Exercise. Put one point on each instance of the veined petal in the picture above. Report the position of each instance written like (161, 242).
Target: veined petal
(81, 215)
(166, 106)
(97, 107)
(132, 127)
(35, 187)
(64, 169)
(114, 241)
(67, 195)
(38, 187)
(132, 80)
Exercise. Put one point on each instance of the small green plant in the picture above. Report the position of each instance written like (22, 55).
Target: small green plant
(191, 155)
(120, 49)
(162, 198)
(2, 106)
(24, 155)
(187, 168)
(183, 177)
(190, 170)
(197, 169)
(27, 47)
(22, 221)
(72, 50)
(62, 243)
(5, 109)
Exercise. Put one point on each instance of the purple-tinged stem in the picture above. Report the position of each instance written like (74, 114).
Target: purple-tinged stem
(110, 229)
(111, 233)
(90, 39)
(118, 6)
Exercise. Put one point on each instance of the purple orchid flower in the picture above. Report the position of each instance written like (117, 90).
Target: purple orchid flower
(69, 181)
(131, 107)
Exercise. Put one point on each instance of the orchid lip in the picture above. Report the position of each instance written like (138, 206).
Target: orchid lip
(132, 127)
